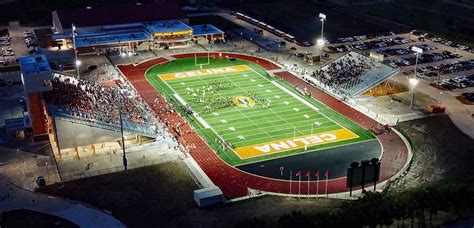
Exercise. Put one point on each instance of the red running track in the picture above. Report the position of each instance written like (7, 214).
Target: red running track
(234, 182)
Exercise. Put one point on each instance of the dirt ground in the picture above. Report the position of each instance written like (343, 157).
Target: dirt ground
(441, 152)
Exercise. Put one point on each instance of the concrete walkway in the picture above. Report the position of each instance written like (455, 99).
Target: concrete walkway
(13, 198)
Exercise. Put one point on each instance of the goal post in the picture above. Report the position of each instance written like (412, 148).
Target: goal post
(200, 64)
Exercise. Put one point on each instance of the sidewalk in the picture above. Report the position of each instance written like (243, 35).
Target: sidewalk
(80, 214)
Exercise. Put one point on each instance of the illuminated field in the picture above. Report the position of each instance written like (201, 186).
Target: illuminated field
(248, 116)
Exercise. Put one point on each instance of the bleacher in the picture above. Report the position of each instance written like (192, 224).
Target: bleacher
(139, 128)
(380, 73)
(352, 74)
(95, 104)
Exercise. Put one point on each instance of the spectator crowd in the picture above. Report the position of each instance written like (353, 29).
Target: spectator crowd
(91, 101)
(344, 72)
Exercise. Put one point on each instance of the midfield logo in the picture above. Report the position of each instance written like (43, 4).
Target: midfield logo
(204, 72)
(288, 144)
(296, 143)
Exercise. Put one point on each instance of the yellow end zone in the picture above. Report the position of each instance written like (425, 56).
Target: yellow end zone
(294, 143)
(204, 72)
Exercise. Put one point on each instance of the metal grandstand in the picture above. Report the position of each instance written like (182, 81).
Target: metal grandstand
(379, 73)
(139, 128)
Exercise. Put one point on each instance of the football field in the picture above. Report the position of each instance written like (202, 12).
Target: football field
(248, 116)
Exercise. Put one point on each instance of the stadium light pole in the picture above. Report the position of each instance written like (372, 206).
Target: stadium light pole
(77, 62)
(414, 81)
(119, 98)
(320, 42)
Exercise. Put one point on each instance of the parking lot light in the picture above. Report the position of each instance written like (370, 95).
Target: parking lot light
(320, 42)
(413, 81)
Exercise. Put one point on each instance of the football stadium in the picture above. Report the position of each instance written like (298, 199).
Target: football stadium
(158, 87)
(277, 113)
(251, 125)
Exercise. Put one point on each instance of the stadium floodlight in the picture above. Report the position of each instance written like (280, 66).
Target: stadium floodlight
(73, 28)
(322, 16)
(119, 101)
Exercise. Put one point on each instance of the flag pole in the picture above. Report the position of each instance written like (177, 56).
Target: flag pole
(291, 174)
(309, 177)
(317, 185)
(299, 187)
(327, 178)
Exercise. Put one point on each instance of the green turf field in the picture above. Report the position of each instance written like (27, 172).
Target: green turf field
(256, 116)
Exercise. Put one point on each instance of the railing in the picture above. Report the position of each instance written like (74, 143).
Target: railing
(81, 174)
(140, 128)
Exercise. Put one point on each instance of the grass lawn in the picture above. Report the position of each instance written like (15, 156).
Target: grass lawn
(145, 197)
(162, 196)
(251, 131)
(27, 218)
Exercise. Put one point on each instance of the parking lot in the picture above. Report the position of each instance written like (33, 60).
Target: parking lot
(16, 41)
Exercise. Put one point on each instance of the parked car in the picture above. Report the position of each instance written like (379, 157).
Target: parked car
(40, 182)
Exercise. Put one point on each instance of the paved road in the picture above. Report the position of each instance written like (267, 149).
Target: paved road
(82, 215)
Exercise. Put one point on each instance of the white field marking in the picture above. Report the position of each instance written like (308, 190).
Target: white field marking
(223, 121)
(252, 80)
(259, 85)
(295, 96)
(286, 102)
(215, 114)
(318, 123)
(295, 122)
(301, 99)
(200, 119)
(181, 83)
(269, 91)
(241, 137)
(306, 116)
(277, 97)
(245, 75)
(187, 88)
(296, 109)
(194, 94)
(232, 128)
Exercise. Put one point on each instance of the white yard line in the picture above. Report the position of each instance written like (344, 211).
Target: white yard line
(293, 94)
(200, 119)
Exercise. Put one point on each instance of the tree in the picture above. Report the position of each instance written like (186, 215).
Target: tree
(251, 223)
